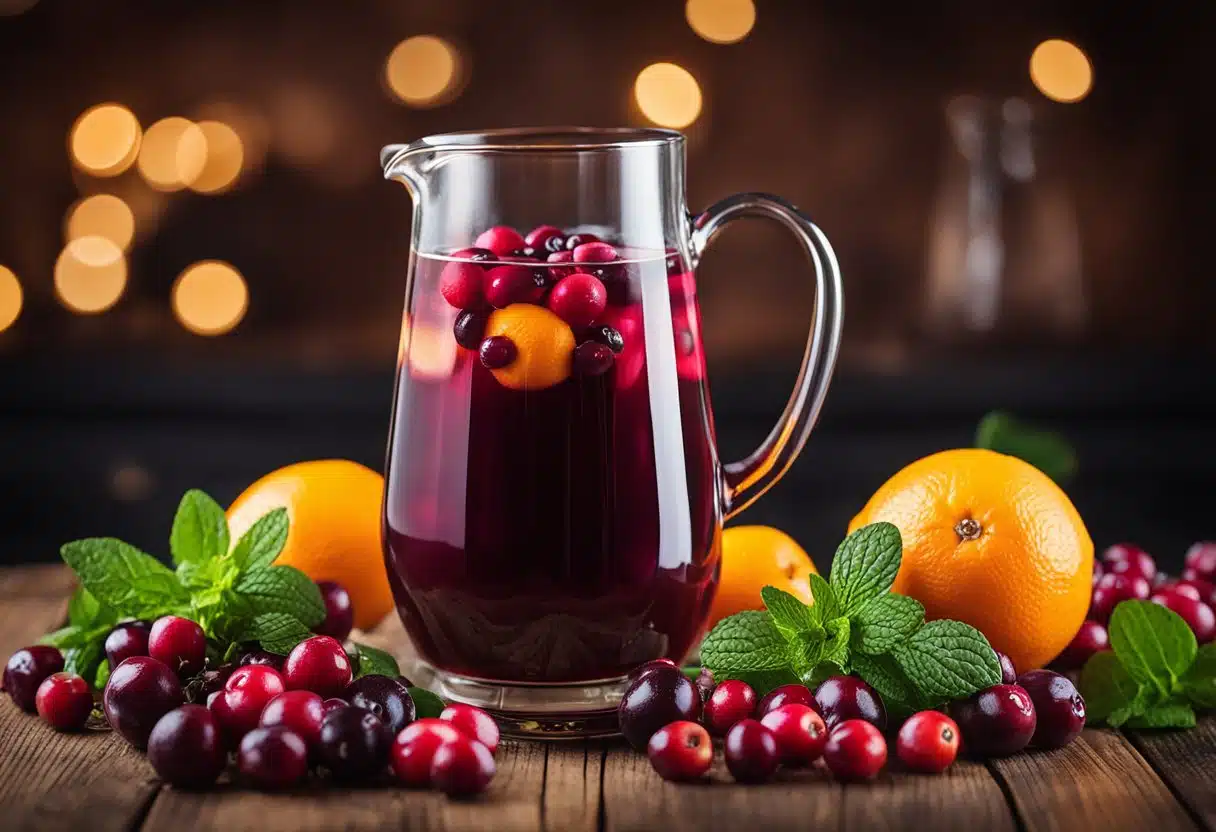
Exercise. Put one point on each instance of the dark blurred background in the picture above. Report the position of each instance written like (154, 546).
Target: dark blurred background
(1015, 232)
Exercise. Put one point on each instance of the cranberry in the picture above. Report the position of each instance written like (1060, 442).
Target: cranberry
(1182, 589)
(785, 695)
(997, 721)
(127, 640)
(462, 284)
(178, 642)
(1201, 562)
(333, 704)
(592, 359)
(1205, 591)
(705, 684)
(751, 752)
(497, 352)
(1009, 673)
(1121, 553)
(558, 272)
(462, 766)
(646, 667)
(414, 749)
(355, 743)
(299, 710)
(247, 692)
(477, 255)
(273, 758)
(1091, 638)
(579, 299)
(501, 239)
(1111, 590)
(855, 750)
(1058, 707)
(264, 658)
(680, 751)
(470, 328)
(1139, 563)
(212, 680)
(339, 611)
(928, 742)
(841, 698)
(474, 723)
(1197, 615)
(546, 238)
(64, 701)
(139, 692)
(576, 240)
(800, 733)
(26, 670)
(510, 284)
(185, 748)
(385, 697)
(318, 664)
(657, 699)
(730, 702)
(1098, 572)
(601, 260)
(608, 336)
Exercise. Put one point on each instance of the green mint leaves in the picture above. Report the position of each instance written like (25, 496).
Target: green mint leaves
(371, 660)
(855, 625)
(1155, 675)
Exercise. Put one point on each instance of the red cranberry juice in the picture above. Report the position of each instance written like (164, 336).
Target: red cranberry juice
(561, 534)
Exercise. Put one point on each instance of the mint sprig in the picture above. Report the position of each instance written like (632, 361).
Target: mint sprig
(855, 625)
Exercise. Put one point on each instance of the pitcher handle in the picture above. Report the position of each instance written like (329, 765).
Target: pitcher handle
(747, 479)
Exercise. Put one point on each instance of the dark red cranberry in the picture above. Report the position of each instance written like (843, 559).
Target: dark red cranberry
(522, 253)
(608, 336)
(576, 240)
(592, 359)
(127, 640)
(558, 272)
(139, 692)
(646, 667)
(355, 743)
(462, 767)
(1205, 590)
(247, 692)
(1121, 552)
(1058, 707)
(26, 670)
(1099, 571)
(470, 328)
(208, 682)
(1138, 564)
(318, 664)
(785, 695)
(1091, 638)
(186, 749)
(510, 284)
(501, 239)
(477, 255)
(385, 697)
(578, 299)
(846, 697)
(273, 758)
(64, 701)
(730, 702)
(339, 611)
(928, 742)
(299, 710)
(474, 723)
(1009, 673)
(414, 749)
(705, 684)
(680, 751)
(462, 284)
(497, 352)
(1197, 615)
(264, 658)
(657, 699)
(996, 722)
(546, 238)
(179, 643)
(1200, 562)
(750, 752)
(1111, 590)
(855, 750)
(333, 704)
(800, 733)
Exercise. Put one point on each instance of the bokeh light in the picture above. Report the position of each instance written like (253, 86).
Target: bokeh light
(668, 95)
(210, 298)
(721, 21)
(105, 140)
(224, 159)
(1061, 71)
(11, 297)
(101, 215)
(423, 71)
(90, 275)
(173, 154)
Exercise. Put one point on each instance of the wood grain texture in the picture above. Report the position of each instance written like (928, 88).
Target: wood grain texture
(1099, 781)
(572, 786)
(966, 797)
(1186, 760)
(52, 580)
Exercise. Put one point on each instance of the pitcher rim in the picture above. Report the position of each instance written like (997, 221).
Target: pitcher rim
(556, 138)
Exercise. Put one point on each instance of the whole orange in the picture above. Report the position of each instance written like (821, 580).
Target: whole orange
(754, 557)
(991, 541)
(334, 534)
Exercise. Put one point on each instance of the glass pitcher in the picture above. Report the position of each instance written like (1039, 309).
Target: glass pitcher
(554, 499)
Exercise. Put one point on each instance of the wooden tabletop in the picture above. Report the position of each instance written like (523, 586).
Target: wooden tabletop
(1105, 780)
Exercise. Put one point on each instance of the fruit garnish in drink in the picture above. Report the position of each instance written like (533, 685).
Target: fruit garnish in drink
(543, 346)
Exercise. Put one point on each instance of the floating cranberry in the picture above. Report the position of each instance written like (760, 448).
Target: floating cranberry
(997, 721)
(127, 640)
(1091, 638)
(576, 240)
(558, 272)
(1009, 673)
(263, 658)
(928, 742)
(1058, 707)
(1201, 562)
(841, 698)
(680, 751)
(800, 733)
(730, 702)
(657, 699)
(1197, 615)
(751, 752)
(497, 352)
(608, 336)
(247, 692)
(592, 359)
(477, 255)
(26, 670)
(601, 260)
(473, 723)
(1111, 590)
(462, 767)
(414, 749)
(462, 284)
(318, 664)
(579, 299)
(855, 750)
(385, 697)
(501, 239)
(646, 667)
(273, 758)
(186, 749)
(785, 695)
(299, 710)
(470, 327)
(505, 285)
(179, 643)
(546, 238)
(64, 701)
(139, 692)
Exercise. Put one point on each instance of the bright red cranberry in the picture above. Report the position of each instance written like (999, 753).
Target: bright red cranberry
(751, 752)
(64, 701)
(646, 667)
(385, 697)
(800, 733)
(608, 336)
(497, 352)
(186, 749)
(1205, 590)
(592, 359)
(730, 702)
(1009, 674)
(474, 723)
(680, 751)
(546, 238)
(856, 750)
(1197, 615)
(355, 743)
(462, 284)
(579, 299)
(785, 695)
(139, 692)
(318, 664)
(414, 749)
(501, 239)
(264, 658)
(997, 721)
(1113, 590)
(657, 699)
(576, 240)
(247, 692)
(1121, 552)
(841, 698)
(1091, 638)
(928, 742)
(462, 766)
(127, 640)
(1136, 563)
(333, 704)
(273, 758)
(26, 670)
(470, 328)
(505, 285)
(339, 611)
(299, 710)
(179, 643)
(601, 260)
(1189, 590)
(1058, 707)
(558, 272)
(477, 255)
(1201, 562)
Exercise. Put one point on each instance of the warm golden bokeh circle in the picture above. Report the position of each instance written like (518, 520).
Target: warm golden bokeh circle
(1061, 71)
(668, 95)
(721, 21)
(90, 275)
(105, 140)
(173, 154)
(11, 297)
(422, 71)
(210, 298)
(101, 215)
(224, 160)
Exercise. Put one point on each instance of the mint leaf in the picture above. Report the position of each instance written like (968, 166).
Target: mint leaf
(277, 632)
(282, 589)
(101, 676)
(807, 650)
(865, 565)
(1153, 644)
(1106, 687)
(824, 606)
(122, 577)
(948, 660)
(1169, 715)
(426, 704)
(1050, 452)
(790, 615)
(200, 529)
(883, 674)
(373, 662)
(885, 622)
(1199, 684)
(746, 641)
(265, 539)
(836, 645)
(86, 611)
(83, 660)
(201, 575)
(70, 636)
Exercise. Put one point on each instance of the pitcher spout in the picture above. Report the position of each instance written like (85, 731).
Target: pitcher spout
(400, 163)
